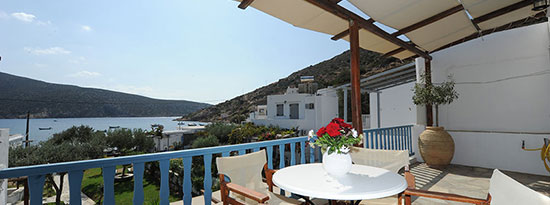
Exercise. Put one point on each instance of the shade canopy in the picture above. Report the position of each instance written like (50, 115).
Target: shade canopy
(428, 24)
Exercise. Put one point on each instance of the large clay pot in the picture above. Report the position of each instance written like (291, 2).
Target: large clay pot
(436, 147)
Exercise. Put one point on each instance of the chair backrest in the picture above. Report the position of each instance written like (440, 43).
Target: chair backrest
(244, 170)
(392, 160)
(505, 190)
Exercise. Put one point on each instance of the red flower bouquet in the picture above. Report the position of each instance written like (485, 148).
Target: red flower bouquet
(337, 136)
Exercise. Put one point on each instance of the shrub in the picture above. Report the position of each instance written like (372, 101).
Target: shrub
(130, 141)
(244, 133)
(209, 141)
(221, 131)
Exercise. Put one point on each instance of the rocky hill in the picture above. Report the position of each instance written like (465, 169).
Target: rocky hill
(47, 100)
(334, 71)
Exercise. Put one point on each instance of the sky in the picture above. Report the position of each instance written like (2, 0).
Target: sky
(199, 50)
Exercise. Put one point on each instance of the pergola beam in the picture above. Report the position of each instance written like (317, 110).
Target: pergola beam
(429, 20)
(489, 31)
(367, 25)
(502, 11)
(391, 53)
(355, 76)
(340, 35)
(245, 3)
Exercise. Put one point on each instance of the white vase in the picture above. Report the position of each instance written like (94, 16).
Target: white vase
(336, 164)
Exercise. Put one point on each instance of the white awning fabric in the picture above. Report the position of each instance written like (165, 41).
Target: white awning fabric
(398, 14)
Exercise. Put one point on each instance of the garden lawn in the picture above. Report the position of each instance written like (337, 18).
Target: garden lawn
(92, 186)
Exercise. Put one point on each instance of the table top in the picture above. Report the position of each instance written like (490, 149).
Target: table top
(362, 182)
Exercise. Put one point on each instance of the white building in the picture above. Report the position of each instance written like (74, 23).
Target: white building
(170, 138)
(503, 81)
(298, 110)
(16, 140)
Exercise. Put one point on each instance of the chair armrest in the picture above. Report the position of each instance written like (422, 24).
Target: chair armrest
(410, 178)
(444, 196)
(269, 177)
(246, 192)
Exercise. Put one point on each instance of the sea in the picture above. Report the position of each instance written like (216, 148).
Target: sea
(18, 126)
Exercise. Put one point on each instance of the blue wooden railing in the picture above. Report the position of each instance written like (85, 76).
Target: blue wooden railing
(390, 138)
(36, 174)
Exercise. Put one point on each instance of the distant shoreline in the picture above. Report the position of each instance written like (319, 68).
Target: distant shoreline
(175, 117)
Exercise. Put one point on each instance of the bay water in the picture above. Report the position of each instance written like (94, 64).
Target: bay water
(18, 126)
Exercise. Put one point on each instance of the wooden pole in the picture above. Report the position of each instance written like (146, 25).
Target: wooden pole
(428, 78)
(355, 77)
(27, 130)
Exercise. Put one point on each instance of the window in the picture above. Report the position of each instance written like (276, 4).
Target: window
(294, 111)
(280, 110)
(262, 112)
(310, 106)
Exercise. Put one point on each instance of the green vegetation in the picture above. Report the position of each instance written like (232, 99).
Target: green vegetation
(430, 94)
(78, 143)
(331, 72)
(209, 141)
(221, 131)
(92, 186)
(249, 132)
(83, 142)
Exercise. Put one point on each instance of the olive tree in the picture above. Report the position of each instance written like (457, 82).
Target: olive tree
(435, 95)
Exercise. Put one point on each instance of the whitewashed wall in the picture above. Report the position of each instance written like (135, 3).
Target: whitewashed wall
(504, 84)
(4, 148)
(396, 107)
(326, 108)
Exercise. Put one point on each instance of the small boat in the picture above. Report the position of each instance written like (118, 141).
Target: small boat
(191, 124)
(44, 128)
(181, 123)
(114, 127)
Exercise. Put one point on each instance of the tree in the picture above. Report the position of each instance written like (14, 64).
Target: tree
(221, 131)
(47, 152)
(128, 142)
(430, 94)
(75, 143)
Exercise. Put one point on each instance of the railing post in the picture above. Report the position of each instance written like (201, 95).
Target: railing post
(269, 157)
(207, 179)
(75, 182)
(164, 192)
(292, 154)
(138, 183)
(4, 149)
(108, 185)
(303, 152)
(36, 188)
(187, 186)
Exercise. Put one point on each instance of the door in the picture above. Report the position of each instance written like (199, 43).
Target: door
(294, 112)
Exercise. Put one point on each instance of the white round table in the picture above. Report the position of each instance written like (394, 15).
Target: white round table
(362, 182)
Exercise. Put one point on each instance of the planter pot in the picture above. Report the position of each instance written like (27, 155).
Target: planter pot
(436, 147)
(337, 164)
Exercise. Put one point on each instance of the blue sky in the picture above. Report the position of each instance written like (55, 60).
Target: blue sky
(200, 50)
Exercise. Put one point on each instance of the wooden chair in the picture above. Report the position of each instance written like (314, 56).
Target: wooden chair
(245, 185)
(502, 190)
(393, 160)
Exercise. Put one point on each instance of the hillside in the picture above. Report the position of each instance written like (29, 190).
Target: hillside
(47, 100)
(334, 71)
